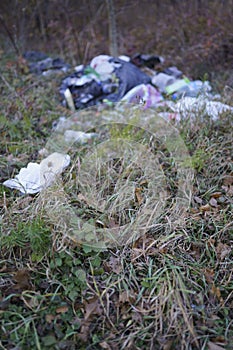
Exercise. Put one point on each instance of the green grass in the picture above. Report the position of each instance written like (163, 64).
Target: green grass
(171, 288)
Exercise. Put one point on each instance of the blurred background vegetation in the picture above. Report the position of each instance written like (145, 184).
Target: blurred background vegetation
(194, 35)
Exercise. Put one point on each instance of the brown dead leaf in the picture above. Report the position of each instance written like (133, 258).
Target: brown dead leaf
(228, 180)
(22, 279)
(209, 275)
(126, 297)
(222, 250)
(144, 246)
(115, 264)
(163, 250)
(92, 307)
(206, 207)
(62, 309)
(143, 183)
(211, 242)
(138, 195)
(84, 331)
(195, 211)
(216, 291)
(104, 345)
(219, 339)
(216, 194)
(213, 346)
(50, 318)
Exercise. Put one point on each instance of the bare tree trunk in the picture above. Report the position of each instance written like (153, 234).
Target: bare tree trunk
(42, 19)
(113, 46)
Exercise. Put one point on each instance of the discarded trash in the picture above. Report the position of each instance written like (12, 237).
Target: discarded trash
(188, 88)
(102, 65)
(174, 71)
(110, 79)
(162, 80)
(39, 63)
(198, 106)
(171, 83)
(125, 58)
(69, 100)
(179, 85)
(196, 87)
(147, 60)
(105, 78)
(34, 56)
(35, 177)
(145, 94)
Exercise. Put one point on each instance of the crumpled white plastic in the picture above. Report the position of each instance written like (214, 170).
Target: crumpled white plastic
(35, 177)
(199, 106)
(103, 67)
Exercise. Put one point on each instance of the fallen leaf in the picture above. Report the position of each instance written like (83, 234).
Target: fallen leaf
(143, 183)
(62, 309)
(115, 264)
(206, 207)
(138, 195)
(213, 346)
(50, 318)
(105, 345)
(22, 279)
(216, 291)
(209, 275)
(216, 194)
(222, 250)
(92, 307)
(126, 297)
(228, 180)
(219, 339)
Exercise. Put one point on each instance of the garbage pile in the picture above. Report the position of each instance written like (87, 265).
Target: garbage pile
(41, 64)
(111, 79)
(108, 80)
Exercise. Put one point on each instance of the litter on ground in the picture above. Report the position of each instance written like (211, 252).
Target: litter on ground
(107, 80)
(35, 177)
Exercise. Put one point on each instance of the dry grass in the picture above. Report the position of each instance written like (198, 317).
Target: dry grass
(169, 286)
